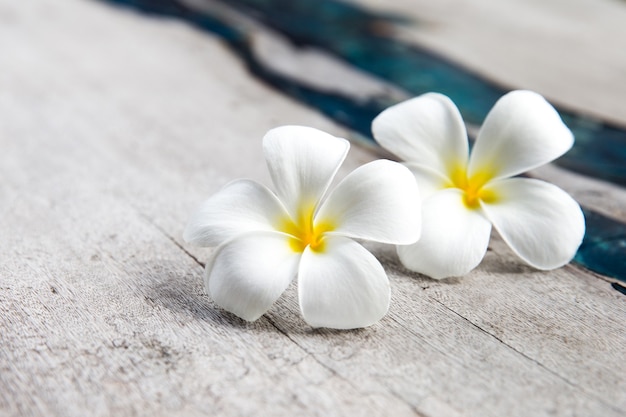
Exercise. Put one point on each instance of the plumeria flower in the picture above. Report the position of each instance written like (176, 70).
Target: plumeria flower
(465, 194)
(266, 239)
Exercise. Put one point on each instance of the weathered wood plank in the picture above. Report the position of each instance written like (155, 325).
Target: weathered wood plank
(117, 126)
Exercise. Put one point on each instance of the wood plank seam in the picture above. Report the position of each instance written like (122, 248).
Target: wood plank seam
(535, 361)
(334, 372)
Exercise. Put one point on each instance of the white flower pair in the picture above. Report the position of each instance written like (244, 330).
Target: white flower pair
(265, 240)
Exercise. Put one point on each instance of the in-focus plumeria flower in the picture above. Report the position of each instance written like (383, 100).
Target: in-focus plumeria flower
(465, 194)
(266, 239)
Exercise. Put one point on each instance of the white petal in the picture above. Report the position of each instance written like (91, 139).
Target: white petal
(302, 162)
(539, 221)
(454, 238)
(429, 181)
(247, 274)
(427, 130)
(521, 132)
(240, 207)
(378, 201)
(344, 287)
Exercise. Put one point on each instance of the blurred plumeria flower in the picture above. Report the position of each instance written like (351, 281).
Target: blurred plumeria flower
(266, 239)
(464, 194)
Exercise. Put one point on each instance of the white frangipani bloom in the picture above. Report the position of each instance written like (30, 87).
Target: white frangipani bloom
(464, 194)
(266, 239)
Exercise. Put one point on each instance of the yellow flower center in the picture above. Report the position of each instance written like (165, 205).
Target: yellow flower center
(472, 187)
(304, 231)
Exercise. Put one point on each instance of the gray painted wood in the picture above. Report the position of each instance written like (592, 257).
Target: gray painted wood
(113, 127)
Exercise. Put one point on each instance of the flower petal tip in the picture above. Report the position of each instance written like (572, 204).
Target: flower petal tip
(345, 288)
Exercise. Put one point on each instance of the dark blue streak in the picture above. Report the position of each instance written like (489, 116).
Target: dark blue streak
(603, 249)
(618, 287)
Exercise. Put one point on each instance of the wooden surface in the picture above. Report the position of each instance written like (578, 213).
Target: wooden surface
(114, 126)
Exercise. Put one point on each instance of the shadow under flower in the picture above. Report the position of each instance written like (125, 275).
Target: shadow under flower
(182, 293)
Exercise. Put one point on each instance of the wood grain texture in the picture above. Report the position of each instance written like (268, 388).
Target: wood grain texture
(113, 127)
